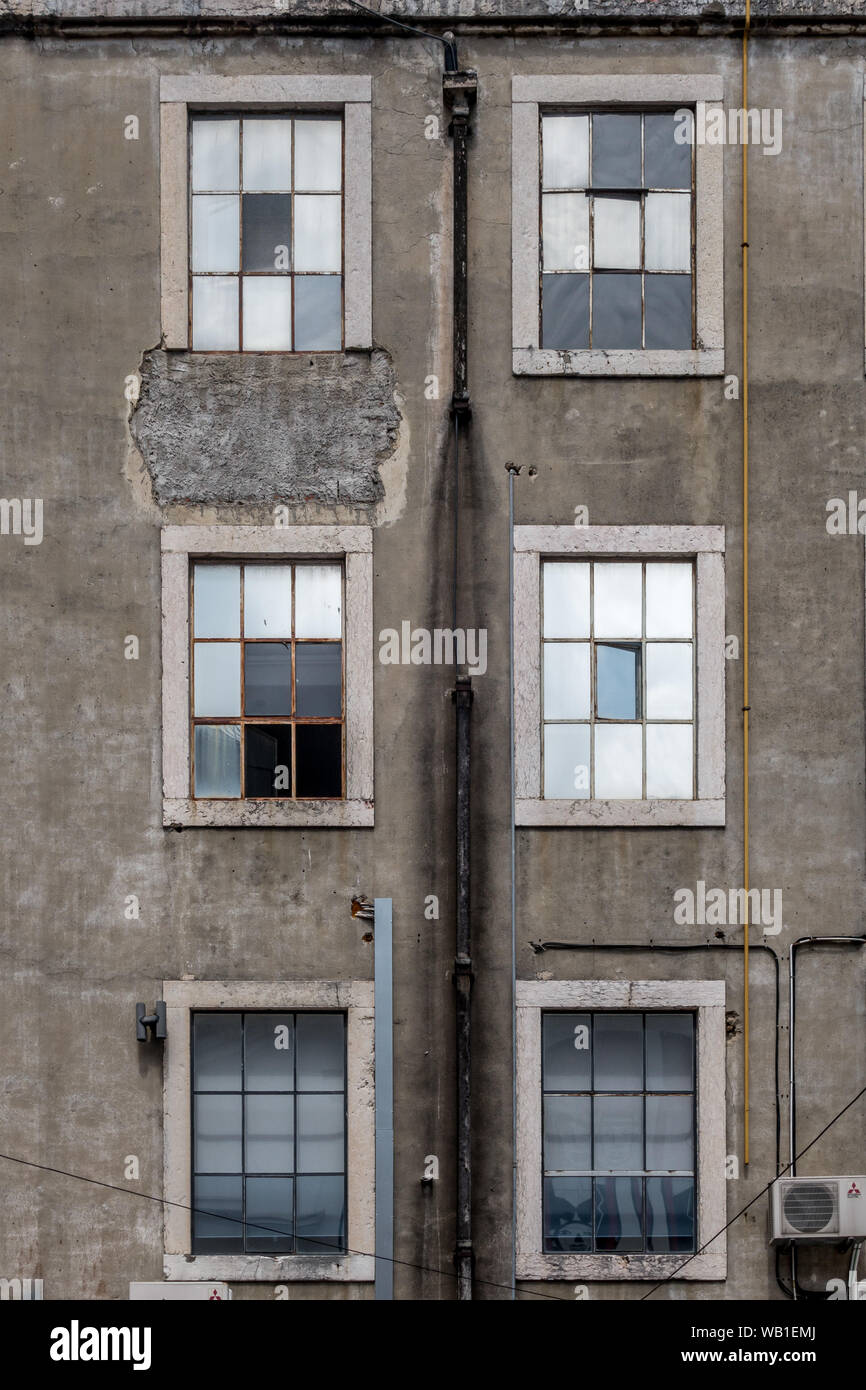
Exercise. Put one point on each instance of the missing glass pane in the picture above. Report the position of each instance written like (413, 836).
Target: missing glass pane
(268, 760)
(318, 760)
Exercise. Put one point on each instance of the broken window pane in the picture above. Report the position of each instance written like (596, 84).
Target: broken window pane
(566, 599)
(217, 600)
(318, 601)
(214, 313)
(565, 151)
(670, 760)
(318, 312)
(318, 760)
(669, 680)
(217, 755)
(268, 760)
(267, 313)
(267, 601)
(566, 761)
(566, 680)
(667, 164)
(616, 311)
(318, 155)
(318, 233)
(618, 682)
(215, 156)
(267, 678)
(616, 234)
(319, 679)
(618, 772)
(267, 220)
(215, 237)
(565, 219)
(267, 155)
(217, 679)
(669, 604)
(668, 311)
(617, 600)
(668, 231)
(565, 311)
(616, 151)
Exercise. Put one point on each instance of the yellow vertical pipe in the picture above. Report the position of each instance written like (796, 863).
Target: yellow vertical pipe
(745, 256)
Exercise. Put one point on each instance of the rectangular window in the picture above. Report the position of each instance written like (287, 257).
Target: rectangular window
(267, 688)
(266, 232)
(618, 679)
(618, 1132)
(269, 1133)
(617, 229)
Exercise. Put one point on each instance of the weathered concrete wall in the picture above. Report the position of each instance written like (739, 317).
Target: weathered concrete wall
(266, 427)
(80, 739)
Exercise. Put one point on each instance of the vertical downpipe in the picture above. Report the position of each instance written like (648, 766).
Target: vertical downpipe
(459, 92)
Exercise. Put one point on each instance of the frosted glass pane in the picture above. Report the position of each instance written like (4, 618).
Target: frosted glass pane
(267, 313)
(318, 156)
(617, 600)
(566, 1053)
(616, 233)
(214, 314)
(566, 600)
(618, 761)
(269, 1049)
(618, 1132)
(670, 1052)
(669, 760)
(669, 680)
(618, 1043)
(566, 680)
(218, 1134)
(318, 601)
(318, 312)
(567, 1133)
(217, 678)
(269, 1134)
(267, 601)
(215, 233)
(670, 1139)
(565, 151)
(566, 231)
(318, 233)
(267, 156)
(320, 1044)
(668, 600)
(217, 600)
(668, 231)
(215, 156)
(321, 1134)
(217, 760)
(217, 1052)
(566, 761)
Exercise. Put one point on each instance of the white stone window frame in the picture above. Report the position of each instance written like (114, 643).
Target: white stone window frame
(353, 96)
(535, 544)
(529, 96)
(351, 544)
(706, 998)
(355, 999)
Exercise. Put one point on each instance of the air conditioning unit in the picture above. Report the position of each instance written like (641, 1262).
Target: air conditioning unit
(815, 1210)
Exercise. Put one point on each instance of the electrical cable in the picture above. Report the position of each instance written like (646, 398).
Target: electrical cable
(449, 45)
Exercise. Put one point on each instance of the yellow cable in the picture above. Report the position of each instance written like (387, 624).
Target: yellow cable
(745, 255)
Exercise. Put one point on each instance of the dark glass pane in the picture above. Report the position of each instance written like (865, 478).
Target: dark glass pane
(268, 760)
(321, 1052)
(616, 151)
(321, 1133)
(217, 1219)
(568, 1213)
(217, 1127)
(618, 1052)
(618, 681)
(670, 1214)
(319, 678)
(267, 678)
(268, 1061)
(566, 1050)
(269, 1134)
(670, 1133)
(269, 1225)
(567, 1133)
(668, 311)
(266, 231)
(318, 312)
(565, 311)
(319, 759)
(670, 1052)
(616, 311)
(321, 1214)
(666, 164)
(619, 1213)
(217, 1052)
(618, 1133)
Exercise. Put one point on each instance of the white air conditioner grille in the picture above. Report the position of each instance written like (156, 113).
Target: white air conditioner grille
(808, 1208)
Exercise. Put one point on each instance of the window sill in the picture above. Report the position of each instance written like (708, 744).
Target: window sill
(551, 812)
(621, 1267)
(270, 1269)
(232, 814)
(618, 362)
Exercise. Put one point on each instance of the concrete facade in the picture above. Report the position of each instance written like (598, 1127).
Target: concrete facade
(120, 437)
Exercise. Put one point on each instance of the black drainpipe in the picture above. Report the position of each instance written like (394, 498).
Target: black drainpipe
(459, 92)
